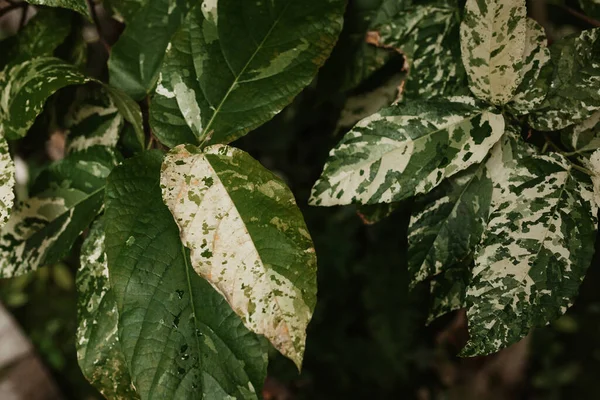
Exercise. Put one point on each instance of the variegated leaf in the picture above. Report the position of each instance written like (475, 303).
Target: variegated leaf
(583, 137)
(180, 338)
(7, 182)
(76, 5)
(492, 40)
(405, 150)
(534, 86)
(574, 93)
(448, 290)
(447, 223)
(594, 165)
(265, 72)
(534, 253)
(98, 348)
(247, 237)
(428, 35)
(24, 89)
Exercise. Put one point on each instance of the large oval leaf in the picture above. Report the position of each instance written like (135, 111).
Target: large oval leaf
(407, 149)
(492, 39)
(98, 348)
(247, 238)
(250, 60)
(180, 338)
(534, 253)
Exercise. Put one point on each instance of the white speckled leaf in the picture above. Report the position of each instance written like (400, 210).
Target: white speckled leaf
(428, 35)
(492, 39)
(593, 165)
(224, 78)
(407, 149)
(98, 348)
(532, 90)
(76, 5)
(447, 223)
(247, 237)
(583, 137)
(574, 93)
(7, 181)
(534, 253)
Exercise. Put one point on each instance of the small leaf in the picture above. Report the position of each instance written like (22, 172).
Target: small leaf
(583, 137)
(138, 54)
(273, 50)
(534, 86)
(124, 10)
(492, 39)
(534, 253)
(40, 37)
(180, 338)
(98, 348)
(7, 182)
(405, 150)
(76, 5)
(43, 228)
(247, 238)
(574, 93)
(129, 109)
(429, 37)
(25, 87)
(448, 222)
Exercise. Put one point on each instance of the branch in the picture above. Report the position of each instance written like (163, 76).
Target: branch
(581, 16)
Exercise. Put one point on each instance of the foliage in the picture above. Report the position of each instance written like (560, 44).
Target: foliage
(195, 262)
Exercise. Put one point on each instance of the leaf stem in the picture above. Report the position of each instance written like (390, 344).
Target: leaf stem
(581, 16)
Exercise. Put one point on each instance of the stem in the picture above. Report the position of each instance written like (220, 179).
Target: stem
(581, 16)
(582, 169)
(23, 16)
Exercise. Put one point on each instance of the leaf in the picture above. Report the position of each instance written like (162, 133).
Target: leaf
(273, 50)
(138, 54)
(43, 228)
(178, 335)
(98, 348)
(583, 137)
(247, 238)
(492, 40)
(375, 213)
(25, 87)
(534, 253)
(129, 109)
(594, 165)
(428, 35)
(94, 121)
(533, 88)
(40, 37)
(76, 5)
(574, 93)
(448, 290)
(7, 182)
(124, 10)
(448, 222)
(591, 8)
(405, 150)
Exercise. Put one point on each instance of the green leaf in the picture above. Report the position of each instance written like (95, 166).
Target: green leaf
(129, 109)
(574, 93)
(179, 336)
(534, 253)
(93, 121)
(591, 7)
(24, 89)
(76, 5)
(407, 149)
(138, 54)
(429, 37)
(7, 182)
(40, 37)
(247, 237)
(124, 10)
(584, 136)
(533, 88)
(43, 228)
(98, 348)
(448, 222)
(448, 290)
(492, 39)
(272, 49)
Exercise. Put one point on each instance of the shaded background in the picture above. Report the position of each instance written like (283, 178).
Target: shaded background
(368, 338)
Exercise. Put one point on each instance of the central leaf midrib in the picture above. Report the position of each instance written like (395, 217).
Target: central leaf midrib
(238, 76)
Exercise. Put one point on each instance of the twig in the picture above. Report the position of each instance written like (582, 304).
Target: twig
(23, 16)
(581, 16)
